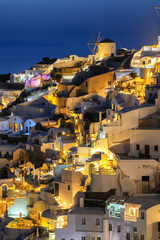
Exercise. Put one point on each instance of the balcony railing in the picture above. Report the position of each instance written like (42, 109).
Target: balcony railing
(115, 214)
(130, 218)
(103, 171)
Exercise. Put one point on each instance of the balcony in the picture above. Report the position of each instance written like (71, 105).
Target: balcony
(130, 218)
(103, 171)
(115, 214)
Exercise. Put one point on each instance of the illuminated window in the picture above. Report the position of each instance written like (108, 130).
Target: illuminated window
(15, 127)
(97, 221)
(83, 221)
(20, 126)
(15, 119)
(10, 125)
(133, 212)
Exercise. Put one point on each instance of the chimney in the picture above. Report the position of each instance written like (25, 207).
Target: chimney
(81, 202)
(33, 172)
(39, 173)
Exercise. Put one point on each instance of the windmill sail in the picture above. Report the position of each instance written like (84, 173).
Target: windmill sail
(93, 45)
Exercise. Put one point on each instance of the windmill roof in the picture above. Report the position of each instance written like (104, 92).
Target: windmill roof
(106, 40)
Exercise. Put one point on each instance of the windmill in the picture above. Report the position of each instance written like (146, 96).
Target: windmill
(93, 45)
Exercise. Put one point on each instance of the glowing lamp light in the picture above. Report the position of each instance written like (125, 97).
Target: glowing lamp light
(96, 166)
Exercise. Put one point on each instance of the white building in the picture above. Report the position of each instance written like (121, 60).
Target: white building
(147, 57)
(147, 61)
(120, 124)
(12, 124)
(72, 181)
(22, 77)
(28, 124)
(134, 218)
(15, 123)
(83, 224)
(145, 142)
(138, 175)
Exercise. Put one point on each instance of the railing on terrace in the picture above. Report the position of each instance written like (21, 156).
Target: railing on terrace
(114, 214)
(70, 168)
(102, 171)
(90, 144)
(130, 218)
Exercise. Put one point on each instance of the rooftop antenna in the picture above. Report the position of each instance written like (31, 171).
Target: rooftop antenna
(95, 41)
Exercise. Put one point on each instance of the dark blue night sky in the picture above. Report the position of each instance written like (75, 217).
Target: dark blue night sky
(32, 29)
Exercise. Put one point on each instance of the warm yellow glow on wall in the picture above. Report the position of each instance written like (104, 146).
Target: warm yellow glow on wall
(52, 99)
(61, 222)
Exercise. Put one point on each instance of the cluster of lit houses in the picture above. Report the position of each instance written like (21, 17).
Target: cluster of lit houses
(82, 161)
